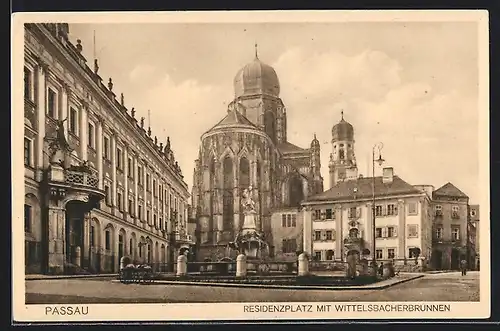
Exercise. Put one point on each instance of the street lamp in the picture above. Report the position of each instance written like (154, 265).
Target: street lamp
(380, 160)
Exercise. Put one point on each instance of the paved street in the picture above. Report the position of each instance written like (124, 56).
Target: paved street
(435, 287)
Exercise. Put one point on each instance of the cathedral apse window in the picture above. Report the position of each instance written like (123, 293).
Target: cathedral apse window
(227, 199)
(296, 192)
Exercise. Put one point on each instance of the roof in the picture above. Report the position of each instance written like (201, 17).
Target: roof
(449, 190)
(362, 188)
(234, 118)
(286, 147)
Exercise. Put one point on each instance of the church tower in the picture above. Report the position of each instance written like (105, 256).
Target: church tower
(315, 167)
(257, 88)
(342, 164)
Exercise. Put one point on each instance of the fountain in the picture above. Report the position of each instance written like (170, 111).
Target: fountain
(250, 241)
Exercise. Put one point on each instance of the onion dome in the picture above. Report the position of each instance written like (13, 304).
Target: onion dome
(256, 78)
(342, 130)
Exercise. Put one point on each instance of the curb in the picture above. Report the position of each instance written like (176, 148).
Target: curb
(285, 287)
(69, 277)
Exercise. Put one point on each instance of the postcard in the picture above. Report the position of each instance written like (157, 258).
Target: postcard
(244, 166)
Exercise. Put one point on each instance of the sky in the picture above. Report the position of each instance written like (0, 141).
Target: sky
(411, 85)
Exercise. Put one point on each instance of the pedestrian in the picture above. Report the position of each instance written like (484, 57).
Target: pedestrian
(463, 267)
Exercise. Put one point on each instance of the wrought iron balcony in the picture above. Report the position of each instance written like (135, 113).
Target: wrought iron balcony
(73, 177)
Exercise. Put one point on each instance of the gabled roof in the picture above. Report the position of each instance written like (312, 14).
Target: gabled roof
(449, 190)
(362, 188)
(286, 147)
(233, 118)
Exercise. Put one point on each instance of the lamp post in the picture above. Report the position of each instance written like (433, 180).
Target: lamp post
(380, 160)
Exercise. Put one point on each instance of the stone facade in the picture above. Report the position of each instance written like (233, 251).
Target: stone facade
(249, 147)
(450, 228)
(97, 185)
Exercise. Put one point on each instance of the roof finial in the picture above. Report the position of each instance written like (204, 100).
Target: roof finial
(256, 52)
(342, 115)
(314, 135)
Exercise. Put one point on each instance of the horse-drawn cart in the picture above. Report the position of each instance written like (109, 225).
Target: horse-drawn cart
(131, 273)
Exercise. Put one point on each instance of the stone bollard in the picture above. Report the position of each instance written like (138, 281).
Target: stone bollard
(78, 256)
(182, 265)
(241, 265)
(303, 265)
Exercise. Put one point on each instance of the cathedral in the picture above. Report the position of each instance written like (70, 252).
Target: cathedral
(249, 147)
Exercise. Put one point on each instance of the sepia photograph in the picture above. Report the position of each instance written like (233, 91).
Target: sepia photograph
(293, 165)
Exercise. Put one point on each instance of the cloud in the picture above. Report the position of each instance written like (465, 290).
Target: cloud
(141, 72)
(428, 137)
(184, 111)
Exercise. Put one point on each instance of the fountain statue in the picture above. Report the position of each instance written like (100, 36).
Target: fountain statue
(249, 241)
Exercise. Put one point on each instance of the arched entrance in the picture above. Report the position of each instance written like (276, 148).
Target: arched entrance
(74, 232)
(455, 259)
(437, 259)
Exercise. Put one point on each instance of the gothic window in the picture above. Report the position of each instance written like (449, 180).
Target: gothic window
(270, 125)
(259, 186)
(212, 188)
(296, 193)
(244, 178)
(228, 194)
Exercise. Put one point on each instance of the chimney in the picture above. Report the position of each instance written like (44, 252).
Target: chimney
(388, 175)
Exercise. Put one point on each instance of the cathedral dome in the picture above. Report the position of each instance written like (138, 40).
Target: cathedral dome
(256, 78)
(343, 130)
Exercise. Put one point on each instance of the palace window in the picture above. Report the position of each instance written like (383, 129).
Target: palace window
(412, 208)
(119, 164)
(317, 235)
(106, 154)
(119, 201)
(108, 240)
(439, 233)
(391, 253)
(154, 220)
(378, 210)
(73, 121)
(317, 255)
(27, 152)
(378, 232)
(317, 214)
(91, 135)
(27, 218)
(353, 212)
(329, 235)
(130, 168)
(378, 253)
(139, 175)
(139, 212)
(148, 217)
(131, 207)
(455, 211)
(455, 233)
(155, 192)
(107, 195)
(51, 103)
(412, 230)
(148, 184)
(392, 209)
(330, 254)
(28, 84)
(390, 232)
(329, 214)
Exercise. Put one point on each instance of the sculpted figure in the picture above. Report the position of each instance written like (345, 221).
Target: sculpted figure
(247, 203)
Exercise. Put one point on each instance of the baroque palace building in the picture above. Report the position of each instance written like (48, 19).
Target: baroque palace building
(98, 186)
(249, 147)
(412, 222)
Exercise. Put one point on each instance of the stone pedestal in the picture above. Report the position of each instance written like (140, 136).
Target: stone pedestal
(56, 225)
(182, 265)
(241, 266)
(303, 265)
